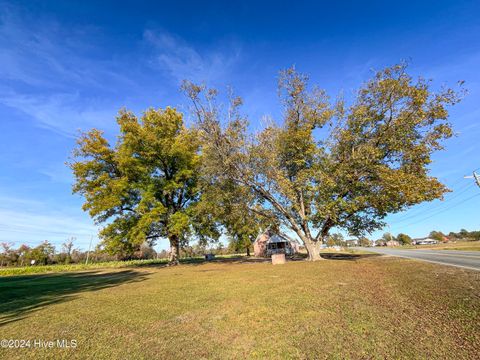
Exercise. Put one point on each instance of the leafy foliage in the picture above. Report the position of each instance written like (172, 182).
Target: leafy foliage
(147, 186)
(437, 235)
(387, 237)
(329, 165)
(404, 239)
(464, 234)
(363, 241)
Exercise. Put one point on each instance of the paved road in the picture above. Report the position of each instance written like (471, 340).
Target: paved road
(465, 259)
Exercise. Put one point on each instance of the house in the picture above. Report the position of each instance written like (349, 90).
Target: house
(351, 242)
(269, 242)
(425, 241)
(392, 243)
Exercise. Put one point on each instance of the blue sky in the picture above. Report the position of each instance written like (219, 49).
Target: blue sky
(70, 65)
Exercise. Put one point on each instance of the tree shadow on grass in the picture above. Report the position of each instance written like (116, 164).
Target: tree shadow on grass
(347, 256)
(21, 295)
(296, 257)
(237, 260)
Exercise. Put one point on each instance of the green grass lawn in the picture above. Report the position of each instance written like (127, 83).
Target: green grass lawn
(56, 268)
(357, 306)
(40, 269)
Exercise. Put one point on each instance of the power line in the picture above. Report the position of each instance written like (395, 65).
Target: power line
(474, 176)
(461, 180)
(477, 178)
(439, 212)
(446, 201)
(422, 206)
(455, 196)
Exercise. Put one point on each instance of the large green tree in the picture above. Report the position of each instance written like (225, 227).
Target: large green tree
(437, 235)
(330, 165)
(404, 239)
(146, 186)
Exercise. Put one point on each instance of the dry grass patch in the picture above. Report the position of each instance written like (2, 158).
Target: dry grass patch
(458, 245)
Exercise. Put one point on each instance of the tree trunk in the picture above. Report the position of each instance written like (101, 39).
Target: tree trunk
(248, 250)
(313, 250)
(174, 250)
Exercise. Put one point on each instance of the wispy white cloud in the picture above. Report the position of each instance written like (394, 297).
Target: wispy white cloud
(183, 61)
(58, 173)
(471, 121)
(62, 113)
(64, 82)
(8, 201)
(53, 223)
(46, 72)
(32, 221)
(40, 51)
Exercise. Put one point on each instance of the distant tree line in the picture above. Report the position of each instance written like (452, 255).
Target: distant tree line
(336, 239)
(465, 235)
(404, 239)
(46, 254)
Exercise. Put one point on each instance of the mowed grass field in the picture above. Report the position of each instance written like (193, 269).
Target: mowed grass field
(349, 307)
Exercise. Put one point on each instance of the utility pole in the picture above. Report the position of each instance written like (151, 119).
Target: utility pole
(477, 178)
(474, 176)
(88, 252)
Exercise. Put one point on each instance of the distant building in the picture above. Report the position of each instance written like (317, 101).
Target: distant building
(392, 243)
(269, 243)
(209, 257)
(351, 242)
(424, 241)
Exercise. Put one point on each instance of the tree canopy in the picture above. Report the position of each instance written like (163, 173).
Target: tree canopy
(437, 235)
(328, 164)
(404, 239)
(145, 187)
